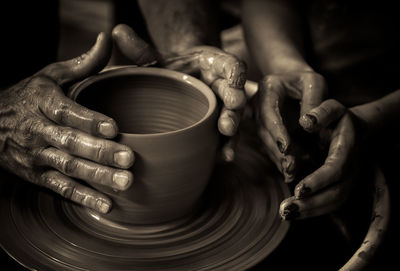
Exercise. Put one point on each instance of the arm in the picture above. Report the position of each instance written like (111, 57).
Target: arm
(368, 126)
(274, 34)
(178, 25)
(275, 37)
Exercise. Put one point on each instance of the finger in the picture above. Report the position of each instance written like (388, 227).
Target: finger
(224, 65)
(80, 67)
(321, 203)
(208, 77)
(84, 169)
(250, 88)
(322, 115)
(314, 91)
(284, 163)
(342, 142)
(83, 145)
(228, 122)
(228, 150)
(76, 192)
(132, 46)
(66, 112)
(271, 97)
(232, 98)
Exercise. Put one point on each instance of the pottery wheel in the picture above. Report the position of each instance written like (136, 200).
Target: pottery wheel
(236, 226)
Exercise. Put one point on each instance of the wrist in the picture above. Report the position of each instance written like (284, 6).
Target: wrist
(278, 64)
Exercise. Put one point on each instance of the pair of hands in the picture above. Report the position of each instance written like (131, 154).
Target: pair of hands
(49, 140)
(336, 129)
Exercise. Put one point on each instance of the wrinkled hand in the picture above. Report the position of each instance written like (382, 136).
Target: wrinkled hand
(48, 139)
(328, 187)
(307, 87)
(223, 72)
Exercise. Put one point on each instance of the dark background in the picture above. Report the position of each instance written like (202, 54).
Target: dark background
(318, 239)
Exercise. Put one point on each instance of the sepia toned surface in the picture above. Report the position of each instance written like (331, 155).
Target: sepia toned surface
(168, 119)
(236, 226)
(317, 236)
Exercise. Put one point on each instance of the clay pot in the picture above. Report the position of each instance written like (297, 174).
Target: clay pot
(169, 120)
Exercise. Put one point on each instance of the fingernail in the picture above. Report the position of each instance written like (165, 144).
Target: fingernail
(301, 191)
(281, 145)
(228, 154)
(123, 158)
(106, 129)
(290, 212)
(103, 206)
(227, 126)
(121, 179)
(309, 122)
(288, 177)
(288, 165)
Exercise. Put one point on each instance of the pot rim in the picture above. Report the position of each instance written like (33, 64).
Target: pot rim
(114, 71)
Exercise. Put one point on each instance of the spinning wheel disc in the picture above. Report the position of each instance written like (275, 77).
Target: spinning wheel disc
(236, 226)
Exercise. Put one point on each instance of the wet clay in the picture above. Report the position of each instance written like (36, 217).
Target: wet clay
(170, 122)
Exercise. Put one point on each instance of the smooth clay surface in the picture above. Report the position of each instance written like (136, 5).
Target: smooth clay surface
(169, 121)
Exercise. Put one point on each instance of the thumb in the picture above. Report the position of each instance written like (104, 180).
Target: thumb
(82, 66)
(132, 46)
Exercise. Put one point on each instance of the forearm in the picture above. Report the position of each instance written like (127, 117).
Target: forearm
(381, 117)
(176, 25)
(274, 35)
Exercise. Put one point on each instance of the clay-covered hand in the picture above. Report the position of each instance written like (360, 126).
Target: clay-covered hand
(223, 72)
(328, 187)
(49, 140)
(275, 92)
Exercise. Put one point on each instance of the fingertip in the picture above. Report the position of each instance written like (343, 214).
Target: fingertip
(308, 122)
(228, 154)
(301, 191)
(123, 179)
(108, 128)
(289, 210)
(103, 205)
(132, 46)
(282, 145)
(227, 126)
(102, 47)
(103, 37)
(121, 31)
(124, 158)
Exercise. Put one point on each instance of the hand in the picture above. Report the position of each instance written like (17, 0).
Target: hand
(275, 91)
(48, 139)
(328, 187)
(223, 72)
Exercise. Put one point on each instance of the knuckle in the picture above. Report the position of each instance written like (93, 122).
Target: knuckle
(30, 129)
(69, 139)
(69, 166)
(96, 174)
(52, 70)
(62, 112)
(39, 81)
(63, 187)
(102, 150)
